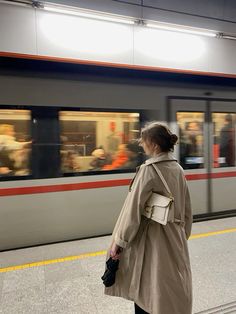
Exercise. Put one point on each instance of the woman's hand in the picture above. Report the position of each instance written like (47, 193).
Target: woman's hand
(115, 251)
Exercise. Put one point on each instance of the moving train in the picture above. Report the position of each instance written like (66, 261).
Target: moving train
(68, 148)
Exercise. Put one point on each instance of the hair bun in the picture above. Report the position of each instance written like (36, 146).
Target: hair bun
(173, 139)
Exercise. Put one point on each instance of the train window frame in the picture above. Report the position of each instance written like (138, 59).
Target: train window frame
(27, 176)
(99, 110)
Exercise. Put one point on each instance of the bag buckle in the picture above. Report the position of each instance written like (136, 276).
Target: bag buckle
(148, 211)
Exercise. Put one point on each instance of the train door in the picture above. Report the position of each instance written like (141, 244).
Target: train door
(223, 166)
(188, 119)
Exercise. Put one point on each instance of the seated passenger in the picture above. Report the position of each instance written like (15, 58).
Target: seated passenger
(101, 158)
(12, 151)
(21, 158)
(8, 140)
(120, 159)
(5, 171)
(6, 162)
(69, 162)
(135, 156)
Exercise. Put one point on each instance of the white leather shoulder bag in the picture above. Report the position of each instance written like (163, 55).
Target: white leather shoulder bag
(158, 206)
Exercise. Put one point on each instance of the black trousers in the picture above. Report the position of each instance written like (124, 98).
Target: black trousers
(138, 310)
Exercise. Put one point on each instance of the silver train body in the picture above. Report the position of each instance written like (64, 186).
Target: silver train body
(42, 208)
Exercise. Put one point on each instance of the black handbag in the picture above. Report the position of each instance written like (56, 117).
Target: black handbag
(109, 275)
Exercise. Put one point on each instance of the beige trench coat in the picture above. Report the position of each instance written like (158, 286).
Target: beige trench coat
(154, 269)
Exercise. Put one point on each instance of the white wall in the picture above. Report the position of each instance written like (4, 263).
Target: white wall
(17, 29)
(29, 31)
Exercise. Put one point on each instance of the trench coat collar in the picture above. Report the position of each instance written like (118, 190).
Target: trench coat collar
(160, 157)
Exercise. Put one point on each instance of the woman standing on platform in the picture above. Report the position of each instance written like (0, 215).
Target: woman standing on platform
(154, 267)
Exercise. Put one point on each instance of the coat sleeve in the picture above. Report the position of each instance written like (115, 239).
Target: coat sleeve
(188, 214)
(130, 217)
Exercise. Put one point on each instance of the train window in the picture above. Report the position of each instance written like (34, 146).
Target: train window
(191, 139)
(15, 142)
(99, 141)
(224, 139)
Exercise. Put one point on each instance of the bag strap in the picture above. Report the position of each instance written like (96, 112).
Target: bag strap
(179, 221)
(162, 179)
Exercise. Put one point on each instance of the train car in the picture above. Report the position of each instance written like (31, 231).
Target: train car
(68, 152)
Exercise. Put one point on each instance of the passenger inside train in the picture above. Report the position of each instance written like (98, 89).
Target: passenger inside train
(119, 160)
(69, 162)
(227, 142)
(191, 140)
(101, 159)
(224, 140)
(193, 145)
(15, 151)
(135, 155)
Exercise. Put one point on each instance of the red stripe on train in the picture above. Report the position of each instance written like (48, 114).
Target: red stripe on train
(223, 174)
(98, 184)
(204, 176)
(63, 187)
(197, 176)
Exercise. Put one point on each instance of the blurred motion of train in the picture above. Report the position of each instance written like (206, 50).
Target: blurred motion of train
(68, 150)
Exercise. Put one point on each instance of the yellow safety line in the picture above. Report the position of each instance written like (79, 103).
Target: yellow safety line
(87, 255)
(203, 235)
(52, 261)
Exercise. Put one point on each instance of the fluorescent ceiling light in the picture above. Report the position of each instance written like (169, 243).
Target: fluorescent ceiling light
(88, 14)
(225, 36)
(182, 29)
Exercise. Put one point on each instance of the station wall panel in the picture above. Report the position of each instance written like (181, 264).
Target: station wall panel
(222, 55)
(17, 29)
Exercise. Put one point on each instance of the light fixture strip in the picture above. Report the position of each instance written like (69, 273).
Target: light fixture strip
(63, 9)
(180, 29)
(16, 3)
(88, 14)
(230, 37)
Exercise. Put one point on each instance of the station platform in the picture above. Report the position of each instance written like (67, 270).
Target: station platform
(65, 277)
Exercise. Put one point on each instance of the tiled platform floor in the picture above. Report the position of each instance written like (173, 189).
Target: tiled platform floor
(75, 286)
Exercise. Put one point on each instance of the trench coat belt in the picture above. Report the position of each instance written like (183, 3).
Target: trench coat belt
(178, 221)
